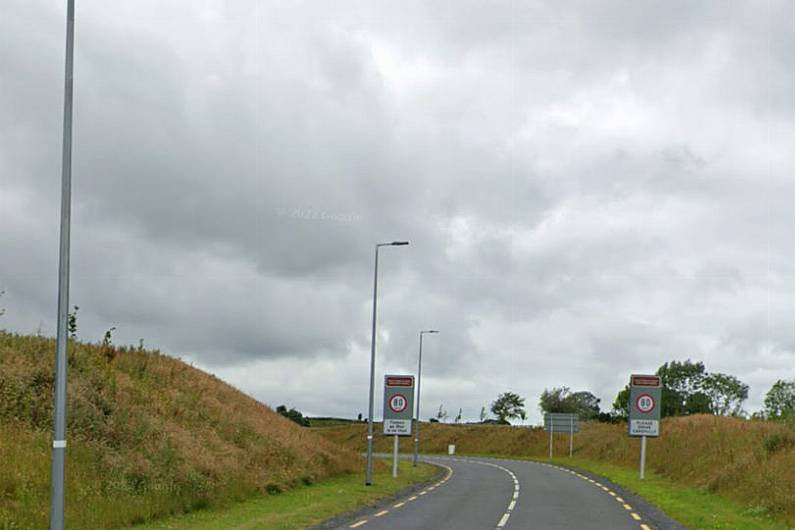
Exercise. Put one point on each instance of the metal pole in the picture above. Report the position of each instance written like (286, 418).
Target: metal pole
(551, 430)
(369, 478)
(57, 495)
(571, 436)
(417, 421)
(395, 457)
(642, 457)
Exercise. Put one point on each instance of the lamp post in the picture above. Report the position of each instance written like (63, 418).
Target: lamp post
(419, 379)
(59, 432)
(369, 476)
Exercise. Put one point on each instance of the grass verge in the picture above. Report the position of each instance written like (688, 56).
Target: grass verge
(303, 506)
(693, 507)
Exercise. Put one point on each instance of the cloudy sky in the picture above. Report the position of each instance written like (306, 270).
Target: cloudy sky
(590, 189)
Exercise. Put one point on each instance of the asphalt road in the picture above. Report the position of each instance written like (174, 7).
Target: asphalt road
(487, 494)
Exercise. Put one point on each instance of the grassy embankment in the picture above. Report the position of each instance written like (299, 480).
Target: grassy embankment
(149, 437)
(708, 472)
(303, 506)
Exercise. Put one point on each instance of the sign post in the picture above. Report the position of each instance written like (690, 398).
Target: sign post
(398, 411)
(561, 422)
(645, 397)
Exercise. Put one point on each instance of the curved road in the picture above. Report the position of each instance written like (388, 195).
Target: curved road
(490, 494)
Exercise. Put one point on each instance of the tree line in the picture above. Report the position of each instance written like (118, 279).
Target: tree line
(687, 388)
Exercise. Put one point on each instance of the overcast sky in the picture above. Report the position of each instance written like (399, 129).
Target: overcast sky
(590, 189)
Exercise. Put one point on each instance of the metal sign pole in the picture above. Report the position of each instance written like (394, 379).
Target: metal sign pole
(571, 436)
(417, 421)
(395, 457)
(57, 499)
(550, 441)
(369, 474)
(642, 457)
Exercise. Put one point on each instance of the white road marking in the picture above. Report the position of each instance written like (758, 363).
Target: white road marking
(360, 523)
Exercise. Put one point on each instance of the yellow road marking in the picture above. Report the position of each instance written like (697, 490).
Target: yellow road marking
(635, 516)
(645, 527)
(627, 507)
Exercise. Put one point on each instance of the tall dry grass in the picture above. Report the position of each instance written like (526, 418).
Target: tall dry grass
(752, 462)
(148, 436)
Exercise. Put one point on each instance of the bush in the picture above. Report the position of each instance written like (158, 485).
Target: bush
(775, 442)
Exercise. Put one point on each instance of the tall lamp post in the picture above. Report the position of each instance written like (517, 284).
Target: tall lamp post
(419, 379)
(59, 435)
(369, 478)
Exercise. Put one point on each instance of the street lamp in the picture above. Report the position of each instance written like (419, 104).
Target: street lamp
(419, 379)
(59, 431)
(369, 477)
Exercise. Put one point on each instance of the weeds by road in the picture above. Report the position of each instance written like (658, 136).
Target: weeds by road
(303, 506)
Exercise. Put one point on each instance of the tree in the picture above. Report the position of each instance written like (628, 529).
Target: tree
(483, 414)
(780, 400)
(586, 404)
(726, 394)
(2, 309)
(689, 389)
(458, 417)
(293, 415)
(441, 415)
(562, 399)
(107, 344)
(681, 394)
(71, 324)
(508, 406)
(557, 400)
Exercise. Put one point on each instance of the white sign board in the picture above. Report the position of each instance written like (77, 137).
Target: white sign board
(397, 427)
(644, 428)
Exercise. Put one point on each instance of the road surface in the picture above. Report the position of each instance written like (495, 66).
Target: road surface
(490, 494)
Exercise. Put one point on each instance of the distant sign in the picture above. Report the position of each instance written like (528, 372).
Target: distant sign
(645, 397)
(561, 422)
(398, 404)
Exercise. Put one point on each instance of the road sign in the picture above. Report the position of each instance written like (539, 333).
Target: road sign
(645, 396)
(561, 422)
(398, 404)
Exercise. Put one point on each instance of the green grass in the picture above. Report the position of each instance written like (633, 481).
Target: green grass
(693, 507)
(303, 506)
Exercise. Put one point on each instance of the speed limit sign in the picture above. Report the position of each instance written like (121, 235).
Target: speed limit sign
(645, 395)
(645, 403)
(398, 404)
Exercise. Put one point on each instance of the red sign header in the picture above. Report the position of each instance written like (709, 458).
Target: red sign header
(646, 380)
(400, 380)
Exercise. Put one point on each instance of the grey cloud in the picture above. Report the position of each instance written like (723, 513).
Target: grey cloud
(589, 188)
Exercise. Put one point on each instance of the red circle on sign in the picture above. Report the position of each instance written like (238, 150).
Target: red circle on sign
(398, 403)
(645, 403)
